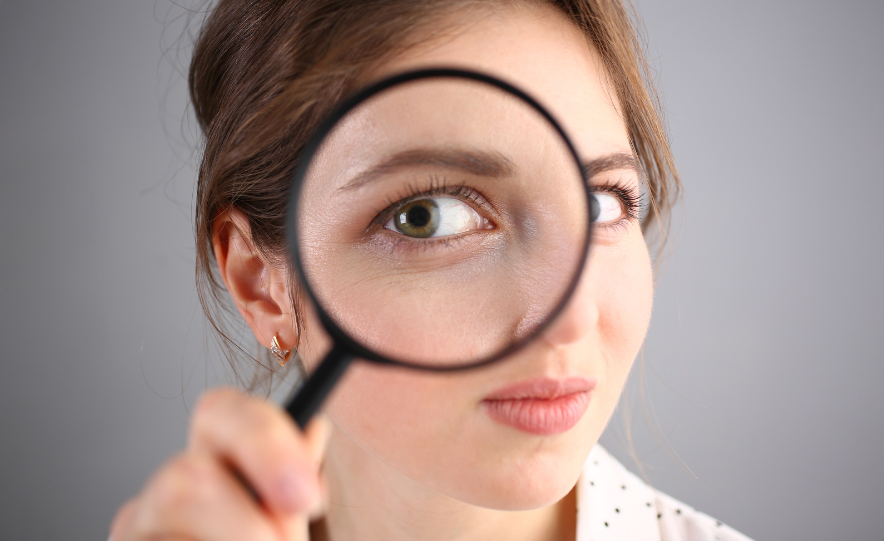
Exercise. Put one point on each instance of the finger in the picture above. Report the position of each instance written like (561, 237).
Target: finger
(263, 444)
(122, 521)
(317, 434)
(196, 497)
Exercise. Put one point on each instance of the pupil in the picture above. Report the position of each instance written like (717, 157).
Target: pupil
(419, 216)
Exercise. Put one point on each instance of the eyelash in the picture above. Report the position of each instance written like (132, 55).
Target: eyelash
(632, 202)
(438, 186)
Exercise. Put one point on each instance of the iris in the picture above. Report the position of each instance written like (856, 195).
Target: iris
(419, 218)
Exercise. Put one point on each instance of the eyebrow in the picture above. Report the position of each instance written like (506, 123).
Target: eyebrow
(480, 163)
(612, 162)
(476, 162)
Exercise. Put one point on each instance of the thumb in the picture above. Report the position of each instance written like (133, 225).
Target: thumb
(316, 436)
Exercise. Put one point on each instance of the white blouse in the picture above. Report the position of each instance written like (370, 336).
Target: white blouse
(614, 504)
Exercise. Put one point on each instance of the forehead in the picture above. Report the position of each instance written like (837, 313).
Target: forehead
(539, 50)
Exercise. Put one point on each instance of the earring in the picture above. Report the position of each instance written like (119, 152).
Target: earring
(282, 356)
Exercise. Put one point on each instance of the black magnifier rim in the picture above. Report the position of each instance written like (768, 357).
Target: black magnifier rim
(340, 337)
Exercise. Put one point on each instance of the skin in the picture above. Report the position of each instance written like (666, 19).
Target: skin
(413, 455)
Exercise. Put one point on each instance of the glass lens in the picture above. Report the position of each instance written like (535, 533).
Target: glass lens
(441, 222)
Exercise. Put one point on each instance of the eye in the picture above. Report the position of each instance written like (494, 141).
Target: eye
(610, 208)
(435, 217)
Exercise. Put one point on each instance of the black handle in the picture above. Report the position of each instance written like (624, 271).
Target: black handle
(310, 396)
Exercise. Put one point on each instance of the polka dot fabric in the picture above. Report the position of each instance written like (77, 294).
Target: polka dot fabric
(614, 504)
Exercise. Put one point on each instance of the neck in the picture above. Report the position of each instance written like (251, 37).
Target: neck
(368, 500)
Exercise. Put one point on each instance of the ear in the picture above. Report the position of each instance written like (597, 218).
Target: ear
(259, 290)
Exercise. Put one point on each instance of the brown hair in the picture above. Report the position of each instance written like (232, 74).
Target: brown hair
(266, 72)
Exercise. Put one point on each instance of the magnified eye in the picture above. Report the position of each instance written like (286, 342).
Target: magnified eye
(609, 208)
(435, 217)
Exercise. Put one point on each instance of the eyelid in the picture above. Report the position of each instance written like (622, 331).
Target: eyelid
(405, 246)
(630, 197)
(438, 187)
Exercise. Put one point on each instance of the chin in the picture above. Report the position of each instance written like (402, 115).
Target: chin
(520, 485)
(511, 471)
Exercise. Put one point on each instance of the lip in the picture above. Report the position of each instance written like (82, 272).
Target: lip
(542, 406)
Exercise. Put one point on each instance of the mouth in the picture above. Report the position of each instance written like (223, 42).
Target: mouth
(542, 406)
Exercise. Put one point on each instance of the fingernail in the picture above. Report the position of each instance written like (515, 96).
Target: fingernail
(294, 491)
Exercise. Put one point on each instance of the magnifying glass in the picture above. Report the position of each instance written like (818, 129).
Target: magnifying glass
(439, 220)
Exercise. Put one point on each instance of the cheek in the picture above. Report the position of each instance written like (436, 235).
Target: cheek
(419, 423)
(393, 408)
(399, 415)
(624, 296)
(377, 403)
(428, 425)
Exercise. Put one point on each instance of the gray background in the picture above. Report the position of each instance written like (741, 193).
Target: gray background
(763, 364)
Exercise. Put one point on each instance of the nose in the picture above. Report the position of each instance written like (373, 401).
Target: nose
(576, 320)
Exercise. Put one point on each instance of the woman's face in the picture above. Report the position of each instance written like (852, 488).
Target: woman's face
(445, 431)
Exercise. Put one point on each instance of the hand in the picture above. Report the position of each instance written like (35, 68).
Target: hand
(201, 494)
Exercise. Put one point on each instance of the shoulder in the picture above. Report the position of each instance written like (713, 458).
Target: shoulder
(613, 503)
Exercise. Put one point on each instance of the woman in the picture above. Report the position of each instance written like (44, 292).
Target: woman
(264, 74)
